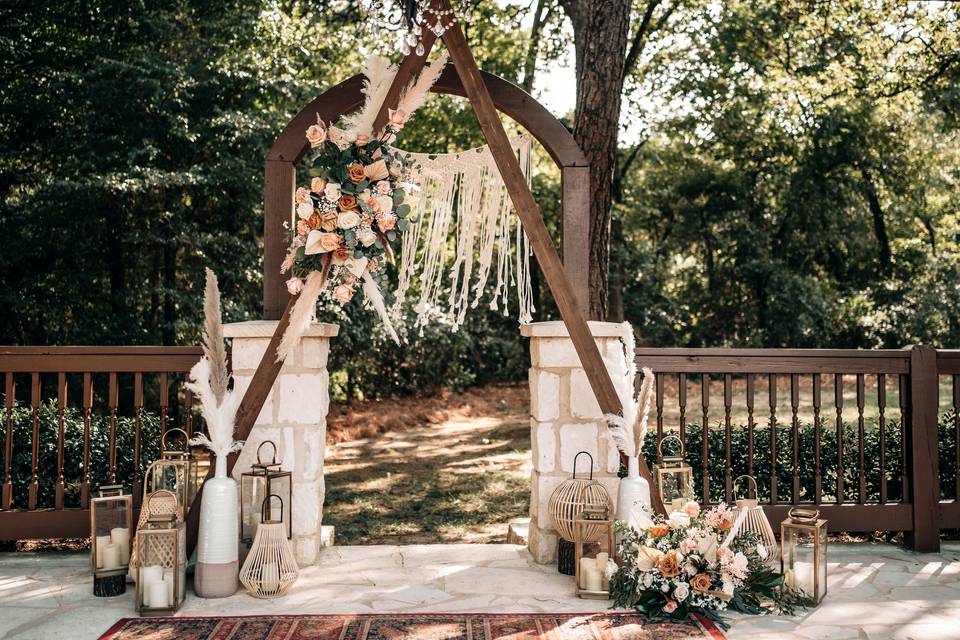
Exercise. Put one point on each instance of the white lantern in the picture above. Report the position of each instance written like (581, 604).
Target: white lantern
(270, 568)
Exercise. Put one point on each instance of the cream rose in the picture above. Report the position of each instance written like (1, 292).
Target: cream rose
(348, 219)
(681, 591)
(383, 187)
(647, 558)
(385, 202)
(332, 191)
(317, 135)
(386, 221)
(678, 520)
(317, 185)
(376, 171)
(305, 210)
(303, 195)
(335, 135)
(692, 509)
(366, 236)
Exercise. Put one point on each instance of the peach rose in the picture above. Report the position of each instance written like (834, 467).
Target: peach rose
(397, 118)
(692, 509)
(303, 195)
(658, 530)
(317, 185)
(362, 139)
(340, 255)
(386, 221)
(317, 135)
(314, 221)
(303, 227)
(294, 285)
(725, 523)
(668, 565)
(670, 606)
(373, 204)
(329, 241)
(342, 293)
(328, 221)
(355, 172)
(347, 202)
(701, 583)
(376, 171)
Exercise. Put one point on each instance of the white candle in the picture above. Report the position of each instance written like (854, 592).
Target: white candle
(803, 577)
(270, 577)
(677, 505)
(157, 594)
(149, 575)
(169, 581)
(101, 540)
(111, 556)
(120, 536)
(594, 578)
(602, 558)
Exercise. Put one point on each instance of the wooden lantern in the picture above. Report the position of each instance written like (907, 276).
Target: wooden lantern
(754, 520)
(590, 576)
(674, 477)
(161, 571)
(176, 471)
(574, 495)
(111, 520)
(263, 480)
(803, 553)
(270, 568)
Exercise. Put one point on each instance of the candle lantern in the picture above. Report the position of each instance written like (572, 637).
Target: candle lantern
(594, 525)
(674, 477)
(111, 520)
(270, 568)
(161, 571)
(803, 553)
(263, 480)
(566, 502)
(754, 520)
(176, 471)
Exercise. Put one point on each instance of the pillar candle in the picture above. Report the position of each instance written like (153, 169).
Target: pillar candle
(157, 594)
(585, 564)
(120, 536)
(101, 540)
(803, 577)
(148, 575)
(111, 556)
(168, 580)
(594, 578)
(270, 577)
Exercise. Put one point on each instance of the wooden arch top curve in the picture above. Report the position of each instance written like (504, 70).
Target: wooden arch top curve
(291, 145)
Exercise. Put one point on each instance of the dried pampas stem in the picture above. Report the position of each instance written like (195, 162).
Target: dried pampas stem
(629, 431)
(302, 312)
(213, 347)
(379, 75)
(415, 94)
(372, 292)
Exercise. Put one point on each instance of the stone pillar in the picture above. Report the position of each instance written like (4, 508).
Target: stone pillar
(565, 419)
(294, 417)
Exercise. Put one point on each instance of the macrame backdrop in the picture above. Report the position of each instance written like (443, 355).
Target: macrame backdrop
(465, 217)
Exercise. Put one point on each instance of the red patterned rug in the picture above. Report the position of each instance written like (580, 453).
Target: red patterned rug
(428, 626)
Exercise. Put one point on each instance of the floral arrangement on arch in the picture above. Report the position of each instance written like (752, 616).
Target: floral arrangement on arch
(348, 220)
(689, 562)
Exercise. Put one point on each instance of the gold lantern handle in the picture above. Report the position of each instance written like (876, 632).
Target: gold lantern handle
(110, 490)
(273, 457)
(582, 453)
(164, 512)
(683, 450)
(186, 442)
(739, 478)
(803, 516)
(264, 509)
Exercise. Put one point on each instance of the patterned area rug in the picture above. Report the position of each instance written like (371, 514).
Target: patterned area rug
(433, 626)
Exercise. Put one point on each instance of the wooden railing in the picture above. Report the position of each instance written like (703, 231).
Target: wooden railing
(75, 417)
(855, 433)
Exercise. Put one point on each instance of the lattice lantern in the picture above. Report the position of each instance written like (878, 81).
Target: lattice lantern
(161, 572)
(674, 477)
(111, 520)
(270, 568)
(570, 499)
(176, 471)
(265, 479)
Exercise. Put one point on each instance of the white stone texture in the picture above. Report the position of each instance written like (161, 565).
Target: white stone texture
(544, 395)
(577, 437)
(304, 397)
(544, 447)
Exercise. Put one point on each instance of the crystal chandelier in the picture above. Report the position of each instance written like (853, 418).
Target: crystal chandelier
(408, 19)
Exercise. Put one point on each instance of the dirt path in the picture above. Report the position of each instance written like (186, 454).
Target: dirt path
(458, 480)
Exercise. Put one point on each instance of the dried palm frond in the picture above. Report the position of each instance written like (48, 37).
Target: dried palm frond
(379, 75)
(219, 416)
(213, 346)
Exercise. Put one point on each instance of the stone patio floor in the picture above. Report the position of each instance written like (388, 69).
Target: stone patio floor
(875, 591)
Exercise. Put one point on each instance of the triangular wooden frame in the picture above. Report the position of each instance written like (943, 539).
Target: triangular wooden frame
(529, 215)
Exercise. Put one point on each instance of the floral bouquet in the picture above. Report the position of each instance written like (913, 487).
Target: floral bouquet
(689, 562)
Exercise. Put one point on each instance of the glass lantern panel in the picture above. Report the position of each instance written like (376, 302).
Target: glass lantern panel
(592, 557)
(280, 485)
(162, 571)
(799, 560)
(254, 490)
(111, 533)
(171, 476)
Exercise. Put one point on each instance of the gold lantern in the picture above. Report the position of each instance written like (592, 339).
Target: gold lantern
(674, 477)
(263, 480)
(176, 471)
(591, 566)
(803, 553)
(270, 568)
(111, 520)
(161, 572)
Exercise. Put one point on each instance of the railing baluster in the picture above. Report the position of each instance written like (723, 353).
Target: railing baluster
(795, 428)
(137, 489)
(35, 457)
(87, 425)
(817, 469)
(727, 435)
(164, 402)
(772, 401)
(956, 435)
(8, 400)
(838, 404)
(61, 427)
(904, 401)
(113, 399)
(705, 453)
(659, 379)
(751, 392)
(861, 436)
(881, 406)
(188, 412)
(682, 401)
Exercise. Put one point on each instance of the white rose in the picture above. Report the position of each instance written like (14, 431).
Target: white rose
(332, 191)
(647, 558)
(678, 520)
(386, 203)
(690, 568)
(665, 588)
(761, 551)
(305, 210)
(727, 587)
(681, 591)
(366, 236)
(363, 196)
(647, 580)
(348, 219)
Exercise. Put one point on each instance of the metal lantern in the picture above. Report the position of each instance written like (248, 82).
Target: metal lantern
(674, 477)
(591, 566)
(161, 572)
(803, 553)
(754, 520)
(570, 499)
(176, 471)
(263, 480)
(111, 520)
(270, 568)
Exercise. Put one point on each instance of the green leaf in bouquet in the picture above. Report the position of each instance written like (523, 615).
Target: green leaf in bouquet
(391, 236)
(402, 225)
(398, 196)
(403, 210)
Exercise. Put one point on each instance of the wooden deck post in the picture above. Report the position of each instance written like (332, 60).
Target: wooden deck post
(922, 452)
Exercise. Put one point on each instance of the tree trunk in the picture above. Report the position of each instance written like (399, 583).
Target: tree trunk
(879, 225)
(600, 36)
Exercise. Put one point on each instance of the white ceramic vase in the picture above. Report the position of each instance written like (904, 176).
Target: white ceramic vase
(217, 541)
(634, 491)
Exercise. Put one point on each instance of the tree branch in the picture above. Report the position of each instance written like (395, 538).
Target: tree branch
(639, 38)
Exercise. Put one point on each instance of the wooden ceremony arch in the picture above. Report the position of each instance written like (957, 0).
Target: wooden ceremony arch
(463, 78)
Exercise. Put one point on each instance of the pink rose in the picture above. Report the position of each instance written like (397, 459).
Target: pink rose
(303, 195)
(687, 545)
(373, 204)
(386, 221)
(335, 135)
(397, 118)
(692, 509)
(303, 228)
(317, 185)
(383, 187)
(342, 293)
(670, 607)
(316, 135)
(288, 262)
(294, 285)
(362, 140)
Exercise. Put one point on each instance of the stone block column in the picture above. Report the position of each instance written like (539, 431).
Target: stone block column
(565, 419)
(294, 417)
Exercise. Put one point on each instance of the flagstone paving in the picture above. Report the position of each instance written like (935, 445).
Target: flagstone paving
(876, 592)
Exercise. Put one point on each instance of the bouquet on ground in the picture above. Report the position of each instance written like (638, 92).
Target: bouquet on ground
(689, 562)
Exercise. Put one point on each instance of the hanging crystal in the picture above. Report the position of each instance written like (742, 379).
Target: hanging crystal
(420, 50)
(411, 39)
